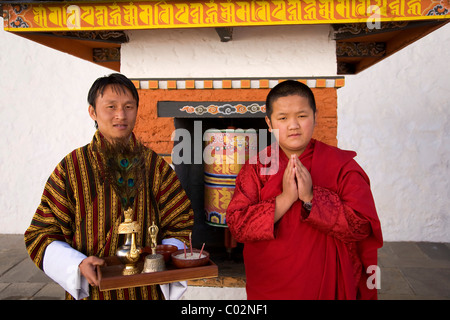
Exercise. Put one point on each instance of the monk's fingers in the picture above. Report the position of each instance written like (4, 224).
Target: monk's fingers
(292, 165)
(288, 170)
(289, 176)
(289, 173)
(303, 177)
(302, 169)
(299, 164)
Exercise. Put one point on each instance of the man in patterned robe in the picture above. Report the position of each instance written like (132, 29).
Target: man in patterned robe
(76, 224)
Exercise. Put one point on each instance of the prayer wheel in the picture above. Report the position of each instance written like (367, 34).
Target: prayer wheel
(225, 153)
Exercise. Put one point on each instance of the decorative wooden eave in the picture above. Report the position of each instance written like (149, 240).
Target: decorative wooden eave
(366, 31)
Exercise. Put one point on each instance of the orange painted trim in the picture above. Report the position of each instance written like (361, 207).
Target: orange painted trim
(201, 84)
(264, 84)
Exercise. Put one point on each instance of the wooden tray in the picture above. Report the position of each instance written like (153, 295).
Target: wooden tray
(111, 275)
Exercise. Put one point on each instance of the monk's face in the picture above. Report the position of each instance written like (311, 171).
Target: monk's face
(115, 112)
(292, 122)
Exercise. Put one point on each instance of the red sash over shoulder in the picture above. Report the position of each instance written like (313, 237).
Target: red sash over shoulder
(321, 255)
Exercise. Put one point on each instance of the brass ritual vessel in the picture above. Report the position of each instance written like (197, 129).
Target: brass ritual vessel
(153, 262)
(129, 253)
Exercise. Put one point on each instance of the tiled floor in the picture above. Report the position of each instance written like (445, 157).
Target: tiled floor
(414, 270)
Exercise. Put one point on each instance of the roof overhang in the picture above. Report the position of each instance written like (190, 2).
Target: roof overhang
(365, 31)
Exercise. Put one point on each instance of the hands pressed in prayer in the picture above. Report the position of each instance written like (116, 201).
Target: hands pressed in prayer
(304, 181)
(297, 184)
(290, 188)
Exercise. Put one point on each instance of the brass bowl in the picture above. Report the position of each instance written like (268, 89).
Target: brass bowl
(180, 262)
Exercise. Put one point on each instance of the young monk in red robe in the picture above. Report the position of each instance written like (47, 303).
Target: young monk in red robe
(310, 229)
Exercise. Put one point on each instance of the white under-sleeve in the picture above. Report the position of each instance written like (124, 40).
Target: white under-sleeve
(174, 290)
(61, 263)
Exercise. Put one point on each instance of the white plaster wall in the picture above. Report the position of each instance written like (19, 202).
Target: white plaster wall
(254, 52)
(396, 115)
(44, 114)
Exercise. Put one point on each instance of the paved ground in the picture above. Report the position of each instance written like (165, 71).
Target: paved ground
(409, 270)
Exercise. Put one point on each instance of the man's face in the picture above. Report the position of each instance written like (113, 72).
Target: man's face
(295, 121)
(115, 113)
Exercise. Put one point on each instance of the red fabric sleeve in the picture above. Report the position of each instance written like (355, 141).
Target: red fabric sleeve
(249, 218)
(332, 216)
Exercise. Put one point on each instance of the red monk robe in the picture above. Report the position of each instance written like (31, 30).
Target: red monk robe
(323, 254)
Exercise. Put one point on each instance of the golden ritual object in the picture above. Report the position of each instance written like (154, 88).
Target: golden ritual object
(153, 262)
(129, 253)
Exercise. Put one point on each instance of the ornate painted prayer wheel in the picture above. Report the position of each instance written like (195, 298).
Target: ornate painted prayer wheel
(225, 153)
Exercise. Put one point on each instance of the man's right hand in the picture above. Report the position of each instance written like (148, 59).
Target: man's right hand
(88, 268)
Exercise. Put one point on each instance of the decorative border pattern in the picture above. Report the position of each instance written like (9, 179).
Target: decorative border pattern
(183, 84)
(211, 109)
(226, 109)
(126, 15)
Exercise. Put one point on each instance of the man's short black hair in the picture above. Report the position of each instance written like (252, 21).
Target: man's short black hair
(117, 81)
(289, 88)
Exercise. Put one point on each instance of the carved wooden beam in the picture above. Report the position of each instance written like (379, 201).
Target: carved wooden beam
(345, 68)
(357, 49)
(115, 37)
(106, 54)
(112, 36)
(360, 49)
(353, 30)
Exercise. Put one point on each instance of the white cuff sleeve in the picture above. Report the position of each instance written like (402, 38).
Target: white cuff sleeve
(61, 263)
(174, 242)
(174, 290)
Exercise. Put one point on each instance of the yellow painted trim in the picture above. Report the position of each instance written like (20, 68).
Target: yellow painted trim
(89, 16)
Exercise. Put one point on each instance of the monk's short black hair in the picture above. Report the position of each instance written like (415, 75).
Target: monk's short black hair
(118, 82)
(289, 88)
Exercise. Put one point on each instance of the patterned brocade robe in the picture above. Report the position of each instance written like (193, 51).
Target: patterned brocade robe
(80, 207)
